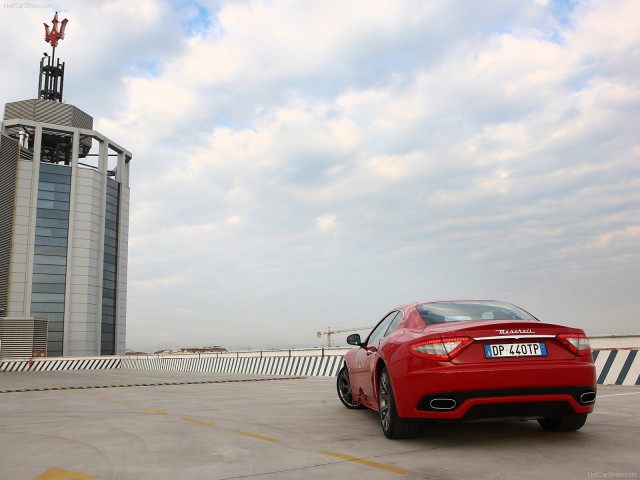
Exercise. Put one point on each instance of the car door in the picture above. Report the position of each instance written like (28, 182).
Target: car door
(364, 362)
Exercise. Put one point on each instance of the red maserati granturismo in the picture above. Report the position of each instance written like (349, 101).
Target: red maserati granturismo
(469, 360)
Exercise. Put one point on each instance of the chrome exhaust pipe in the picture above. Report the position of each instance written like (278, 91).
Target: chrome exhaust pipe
(588, 397)
(442, 403)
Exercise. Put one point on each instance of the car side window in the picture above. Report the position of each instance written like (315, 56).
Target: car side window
(394, 323)
(381, 329)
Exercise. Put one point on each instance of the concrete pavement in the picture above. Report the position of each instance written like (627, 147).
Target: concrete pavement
(173, 425)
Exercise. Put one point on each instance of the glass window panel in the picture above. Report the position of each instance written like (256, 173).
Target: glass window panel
(48, 287)
(107, 337)
(107, 312)
(108, 302)
(54, 187)
(53, 204)
(49, 260)
(111, 208)
(49, 213)
(48, 278)
(54, 349)
(55, 336)
(111, 216)
(55, 326)
(108, 292)
(47, 307)
(49, 250)
(53, 242)
(111, 276)
(47, 297)
(109, 267)
(50, 195)
(110, 233)
(54, 178)
(54, 317)
(51, 232)
(112, 242)
(106, 328)
(110, 259)
(52, 222)
(111, 225)
(55, 269)
(55, 168)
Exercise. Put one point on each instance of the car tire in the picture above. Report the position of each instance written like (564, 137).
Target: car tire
(344, 390)
(564, 424)
(392, 425)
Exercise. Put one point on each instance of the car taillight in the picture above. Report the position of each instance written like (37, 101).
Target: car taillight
(578, 343)
(441, 349)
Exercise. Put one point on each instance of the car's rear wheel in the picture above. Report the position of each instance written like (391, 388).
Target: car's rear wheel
(392, 425)
(564, 424)
(344, 390)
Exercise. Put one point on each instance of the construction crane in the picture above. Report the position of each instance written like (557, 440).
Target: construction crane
(330, 332)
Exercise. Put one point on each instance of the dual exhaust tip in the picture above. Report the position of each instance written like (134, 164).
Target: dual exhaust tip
(443, 403)
(588, 397)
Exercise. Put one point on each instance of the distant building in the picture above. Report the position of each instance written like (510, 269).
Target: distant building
(215, 349)
(64, 222)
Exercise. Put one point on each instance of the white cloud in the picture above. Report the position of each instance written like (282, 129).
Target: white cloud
(348, 156)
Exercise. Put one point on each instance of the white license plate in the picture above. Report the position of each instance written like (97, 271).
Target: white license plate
(502, 350)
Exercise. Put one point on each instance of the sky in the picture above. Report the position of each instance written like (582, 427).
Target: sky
(305, 164)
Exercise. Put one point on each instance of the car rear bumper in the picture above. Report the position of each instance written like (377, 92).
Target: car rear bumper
(524, 390)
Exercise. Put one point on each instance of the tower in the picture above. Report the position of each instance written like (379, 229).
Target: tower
(64, 219)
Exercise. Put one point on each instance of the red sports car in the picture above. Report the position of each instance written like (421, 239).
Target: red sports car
(469, 360)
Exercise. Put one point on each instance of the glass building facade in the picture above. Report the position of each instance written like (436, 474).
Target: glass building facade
(110, 269)
(50, 251)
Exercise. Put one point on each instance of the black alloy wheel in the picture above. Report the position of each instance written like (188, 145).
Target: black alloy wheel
(344, 390)
(392, 425)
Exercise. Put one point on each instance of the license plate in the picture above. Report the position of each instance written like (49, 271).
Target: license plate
(503, 350)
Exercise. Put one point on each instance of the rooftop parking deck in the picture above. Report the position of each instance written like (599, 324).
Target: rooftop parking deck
(133, 424)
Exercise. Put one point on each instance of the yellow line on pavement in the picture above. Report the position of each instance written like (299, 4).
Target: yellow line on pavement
(127, 404)
(199, 422)
(259, 437)
(368, 463)
(156, 411)
(103, 398)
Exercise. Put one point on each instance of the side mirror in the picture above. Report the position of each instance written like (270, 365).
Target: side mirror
(354, 339)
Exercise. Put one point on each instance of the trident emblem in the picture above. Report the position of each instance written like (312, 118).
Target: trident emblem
(54, 35)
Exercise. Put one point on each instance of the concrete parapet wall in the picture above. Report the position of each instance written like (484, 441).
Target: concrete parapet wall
(613, 366)
(614, 342)
(316, 366)
(617, 366)
(88, 363)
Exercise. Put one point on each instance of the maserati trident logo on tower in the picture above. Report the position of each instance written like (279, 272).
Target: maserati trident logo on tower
(54, 35)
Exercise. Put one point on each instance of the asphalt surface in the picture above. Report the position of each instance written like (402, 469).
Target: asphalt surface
(178, 425)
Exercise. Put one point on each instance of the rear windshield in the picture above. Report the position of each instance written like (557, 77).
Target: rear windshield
(441, 312)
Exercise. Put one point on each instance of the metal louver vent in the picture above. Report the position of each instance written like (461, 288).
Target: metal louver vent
(23, 337)
(9, 150)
